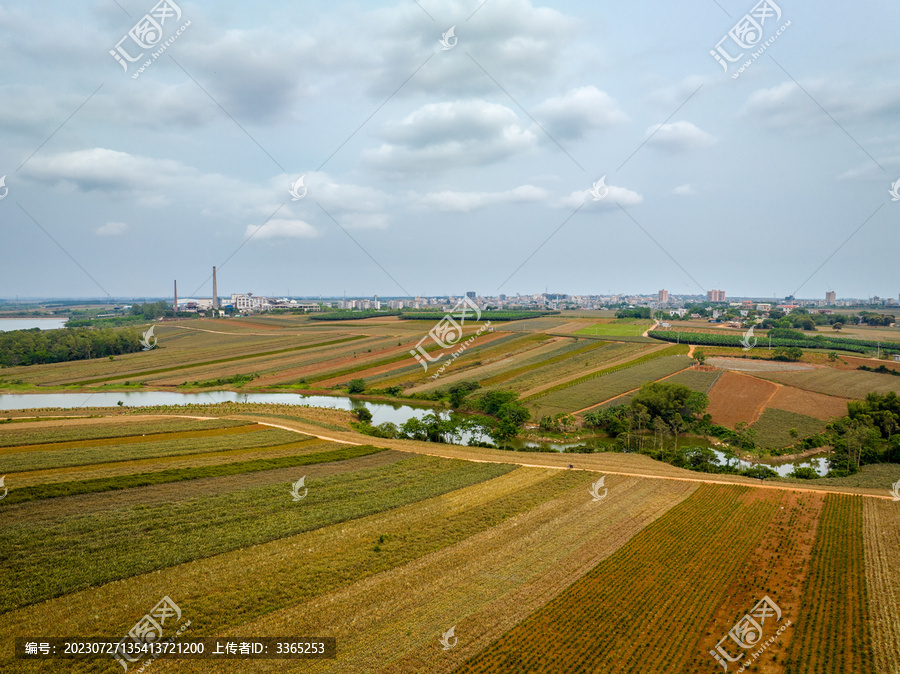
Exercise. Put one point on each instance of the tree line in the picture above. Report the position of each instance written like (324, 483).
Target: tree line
(35, 346)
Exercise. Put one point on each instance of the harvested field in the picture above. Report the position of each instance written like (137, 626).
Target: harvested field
(754, 365)
(881, 537)
(738, 397)
(815, 405)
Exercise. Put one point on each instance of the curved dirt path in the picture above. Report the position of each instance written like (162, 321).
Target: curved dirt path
(600, 463)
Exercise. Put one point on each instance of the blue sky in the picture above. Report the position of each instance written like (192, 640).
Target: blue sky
(433, 171)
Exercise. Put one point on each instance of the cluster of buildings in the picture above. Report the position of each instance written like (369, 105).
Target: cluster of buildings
(245, 303)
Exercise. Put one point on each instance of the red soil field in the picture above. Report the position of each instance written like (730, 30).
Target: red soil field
(737, 397)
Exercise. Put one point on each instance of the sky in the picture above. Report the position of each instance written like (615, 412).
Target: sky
(432, 147)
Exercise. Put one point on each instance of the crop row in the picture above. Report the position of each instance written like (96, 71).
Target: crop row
(670, 351)
(642, 608)
(251, 437)
(102, 484)
(140, 537)
(191, 365)
(818, 342)
(509, 374)
(15, 437)
(832, 634)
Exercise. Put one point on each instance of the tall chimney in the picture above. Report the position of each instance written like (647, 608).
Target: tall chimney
(215, 297)
(176, 297)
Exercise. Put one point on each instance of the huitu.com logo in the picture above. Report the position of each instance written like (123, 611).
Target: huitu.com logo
(448, 40)
(894, 191)
(297, 486)
(596, 487)
(148, 341)
(599, 189)
(895, 491)
(4, 190)
(298, 189)
(747, 337)
(448, 638)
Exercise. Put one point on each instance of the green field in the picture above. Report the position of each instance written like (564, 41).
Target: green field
(774, 425)
(618, 326)
(598, 389)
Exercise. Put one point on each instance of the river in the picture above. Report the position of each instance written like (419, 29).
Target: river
(10, 324)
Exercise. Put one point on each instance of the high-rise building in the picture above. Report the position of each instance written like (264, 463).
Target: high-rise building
(830, 297)
(471, 294)
(715, 295)
(663, 296)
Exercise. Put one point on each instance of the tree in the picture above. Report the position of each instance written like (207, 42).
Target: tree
(356, 386)
(837, 326)
(700, 356)
(363, 415)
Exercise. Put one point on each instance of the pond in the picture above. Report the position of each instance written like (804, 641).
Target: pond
(394, 413)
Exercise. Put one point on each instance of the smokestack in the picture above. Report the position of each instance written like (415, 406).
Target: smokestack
(215, 297)
(176, 297)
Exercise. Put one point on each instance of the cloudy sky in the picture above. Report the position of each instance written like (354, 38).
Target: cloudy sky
(431, 167)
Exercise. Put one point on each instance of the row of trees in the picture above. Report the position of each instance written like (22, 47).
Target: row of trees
(31, 347)
(870, 433)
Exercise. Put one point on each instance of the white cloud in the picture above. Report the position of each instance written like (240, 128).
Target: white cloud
(614, 195)
(281, 229)
(111, 229)
(452, 135)
(678, 136)
(684, 191)
(469, 201)
(578, 112)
